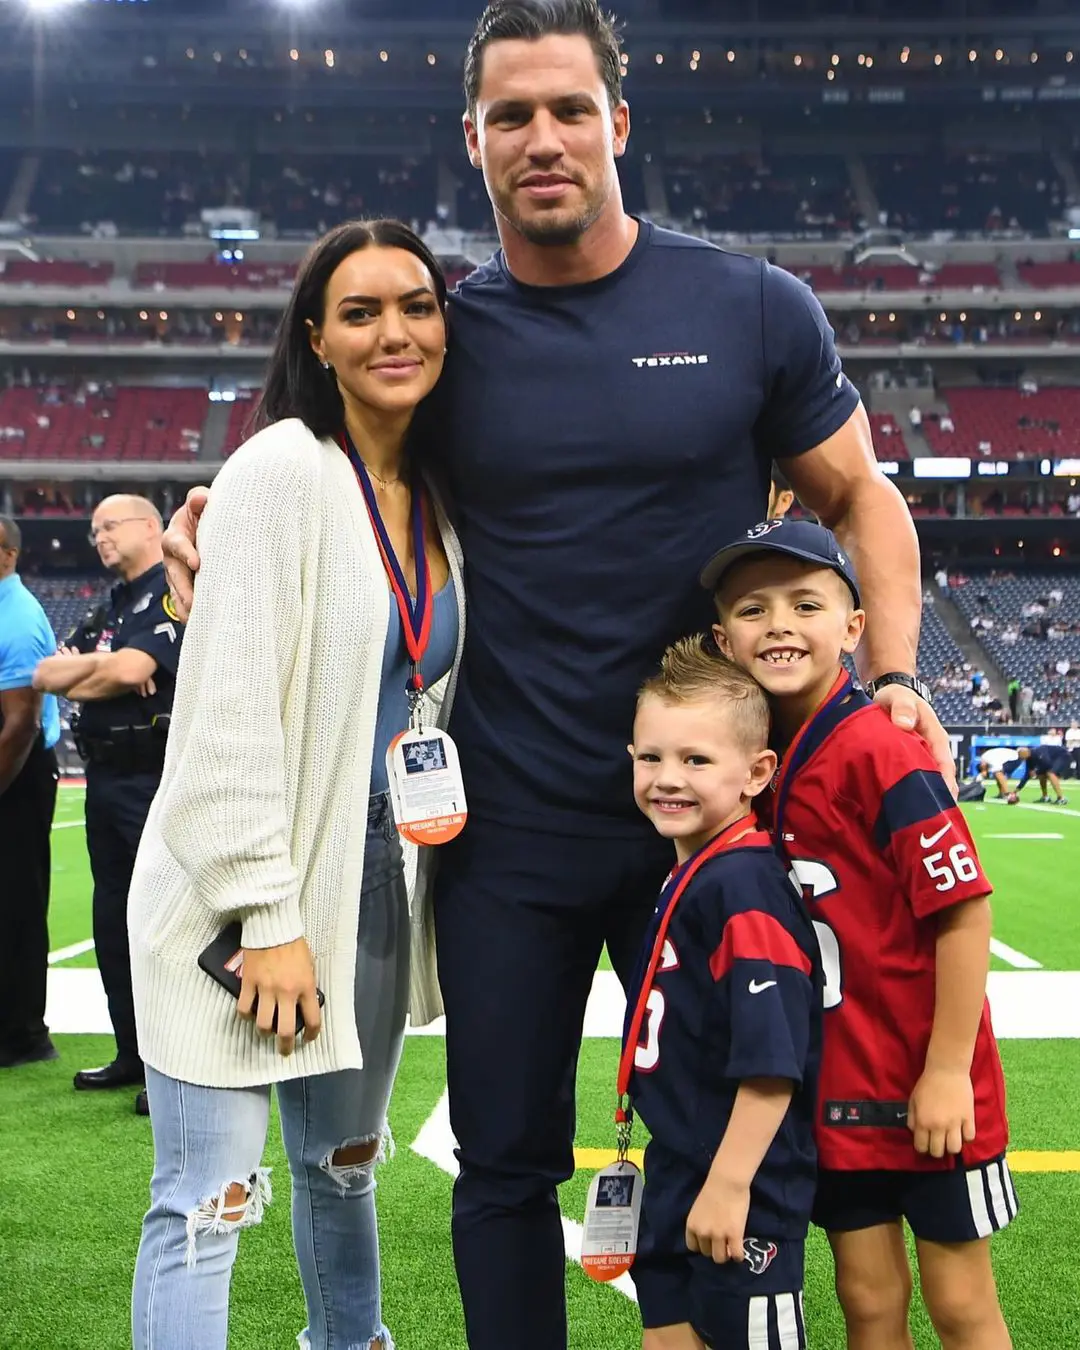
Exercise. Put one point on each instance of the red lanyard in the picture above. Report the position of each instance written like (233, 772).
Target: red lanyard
(415, 615)
(682, 877)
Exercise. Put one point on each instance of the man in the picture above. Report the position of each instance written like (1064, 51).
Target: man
(1072, 745)
(29, 728)
(1044, 762)
(121, 665)
(603, 415)
(781, 497)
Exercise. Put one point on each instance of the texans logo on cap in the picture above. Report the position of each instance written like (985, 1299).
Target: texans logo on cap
(762, 528)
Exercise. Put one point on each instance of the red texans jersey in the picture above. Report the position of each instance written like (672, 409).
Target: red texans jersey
(880, 848)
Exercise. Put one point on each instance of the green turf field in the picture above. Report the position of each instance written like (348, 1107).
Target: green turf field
(75, 1169)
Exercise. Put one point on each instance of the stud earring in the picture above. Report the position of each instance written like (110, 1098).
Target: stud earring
(326, 365)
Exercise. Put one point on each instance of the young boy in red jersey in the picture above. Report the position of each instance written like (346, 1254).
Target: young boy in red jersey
(911, 1103)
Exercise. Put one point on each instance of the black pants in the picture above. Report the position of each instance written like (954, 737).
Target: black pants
(26, 816)
(116, 809)
(520, 922)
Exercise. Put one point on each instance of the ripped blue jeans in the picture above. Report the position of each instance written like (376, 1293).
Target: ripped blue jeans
(208, 1181)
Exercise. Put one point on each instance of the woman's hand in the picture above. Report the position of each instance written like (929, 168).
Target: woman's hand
(274, 981)
(180, 555)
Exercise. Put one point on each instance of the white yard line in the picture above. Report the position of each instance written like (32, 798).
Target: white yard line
(1036, 806)
(1013, 957)
(436, 1142)
(67, 953)
(1025, 1003)
(1023, 836)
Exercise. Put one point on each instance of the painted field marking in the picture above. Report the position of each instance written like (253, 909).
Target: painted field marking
(1023, 836)
(1037, 806)
(1021, 1160)
(1012, 956)
(436, 1142)
(68, 953)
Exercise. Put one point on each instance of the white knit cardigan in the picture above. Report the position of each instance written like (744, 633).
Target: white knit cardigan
(262, 810)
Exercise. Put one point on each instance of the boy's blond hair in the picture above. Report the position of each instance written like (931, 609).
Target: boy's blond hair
(692, 670)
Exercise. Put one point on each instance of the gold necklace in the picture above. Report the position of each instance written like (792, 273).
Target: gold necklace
(386, 482)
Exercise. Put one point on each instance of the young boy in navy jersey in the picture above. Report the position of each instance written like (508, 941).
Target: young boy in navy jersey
(911, 1115)
(725, 1064)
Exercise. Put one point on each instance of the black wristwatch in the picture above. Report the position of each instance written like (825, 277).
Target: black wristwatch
(911, 682)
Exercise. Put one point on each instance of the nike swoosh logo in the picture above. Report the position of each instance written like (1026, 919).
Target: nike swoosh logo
(927, 840)
(756, 986)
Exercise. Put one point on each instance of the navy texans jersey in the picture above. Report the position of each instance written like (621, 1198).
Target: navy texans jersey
(736, 995)
(880, 849)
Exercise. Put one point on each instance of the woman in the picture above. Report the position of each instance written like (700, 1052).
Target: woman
(273, 808)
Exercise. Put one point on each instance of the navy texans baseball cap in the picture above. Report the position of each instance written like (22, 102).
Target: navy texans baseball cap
(802, 539)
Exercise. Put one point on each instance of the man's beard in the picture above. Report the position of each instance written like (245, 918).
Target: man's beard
(556, 230)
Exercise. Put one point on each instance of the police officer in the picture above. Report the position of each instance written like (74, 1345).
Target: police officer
(120, 665)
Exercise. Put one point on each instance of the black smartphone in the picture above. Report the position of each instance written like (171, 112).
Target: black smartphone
(223, 961)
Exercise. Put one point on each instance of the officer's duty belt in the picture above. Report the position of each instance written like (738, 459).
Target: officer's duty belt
(131, 750)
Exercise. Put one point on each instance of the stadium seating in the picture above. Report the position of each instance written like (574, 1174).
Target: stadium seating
(23, 272)
(308, 194)
(978, 191)
(939, 652)
(1048, 275)
(144, 422)
(256, 276)
(1002, 598)
(751, 194)
(239, 419)
(888, 437)
(988, 423)
(901, 277)
(136, 192)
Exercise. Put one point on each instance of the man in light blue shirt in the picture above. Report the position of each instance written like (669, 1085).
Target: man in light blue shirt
(29, 728)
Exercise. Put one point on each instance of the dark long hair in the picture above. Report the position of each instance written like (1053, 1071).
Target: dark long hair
(296, 384)
(530, 20)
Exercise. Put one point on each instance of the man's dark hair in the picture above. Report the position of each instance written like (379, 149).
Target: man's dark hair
(296, 384)
(779, 482)
(10, 534)
(530, 20)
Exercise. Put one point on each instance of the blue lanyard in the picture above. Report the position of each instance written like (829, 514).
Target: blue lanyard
(802, 747)
(415, 614)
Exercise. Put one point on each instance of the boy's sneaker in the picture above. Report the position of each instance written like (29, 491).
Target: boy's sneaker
(1061, 801)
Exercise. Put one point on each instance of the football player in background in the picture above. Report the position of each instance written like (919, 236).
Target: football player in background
(1043, 762)
(911, 1111)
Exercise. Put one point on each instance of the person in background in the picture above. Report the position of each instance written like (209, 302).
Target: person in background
(1045, 762)
(120, 665)
(1072, 745)
(781, 497)
(29, 728)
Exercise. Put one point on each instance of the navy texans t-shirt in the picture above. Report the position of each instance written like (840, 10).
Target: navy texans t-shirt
(599, 443)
